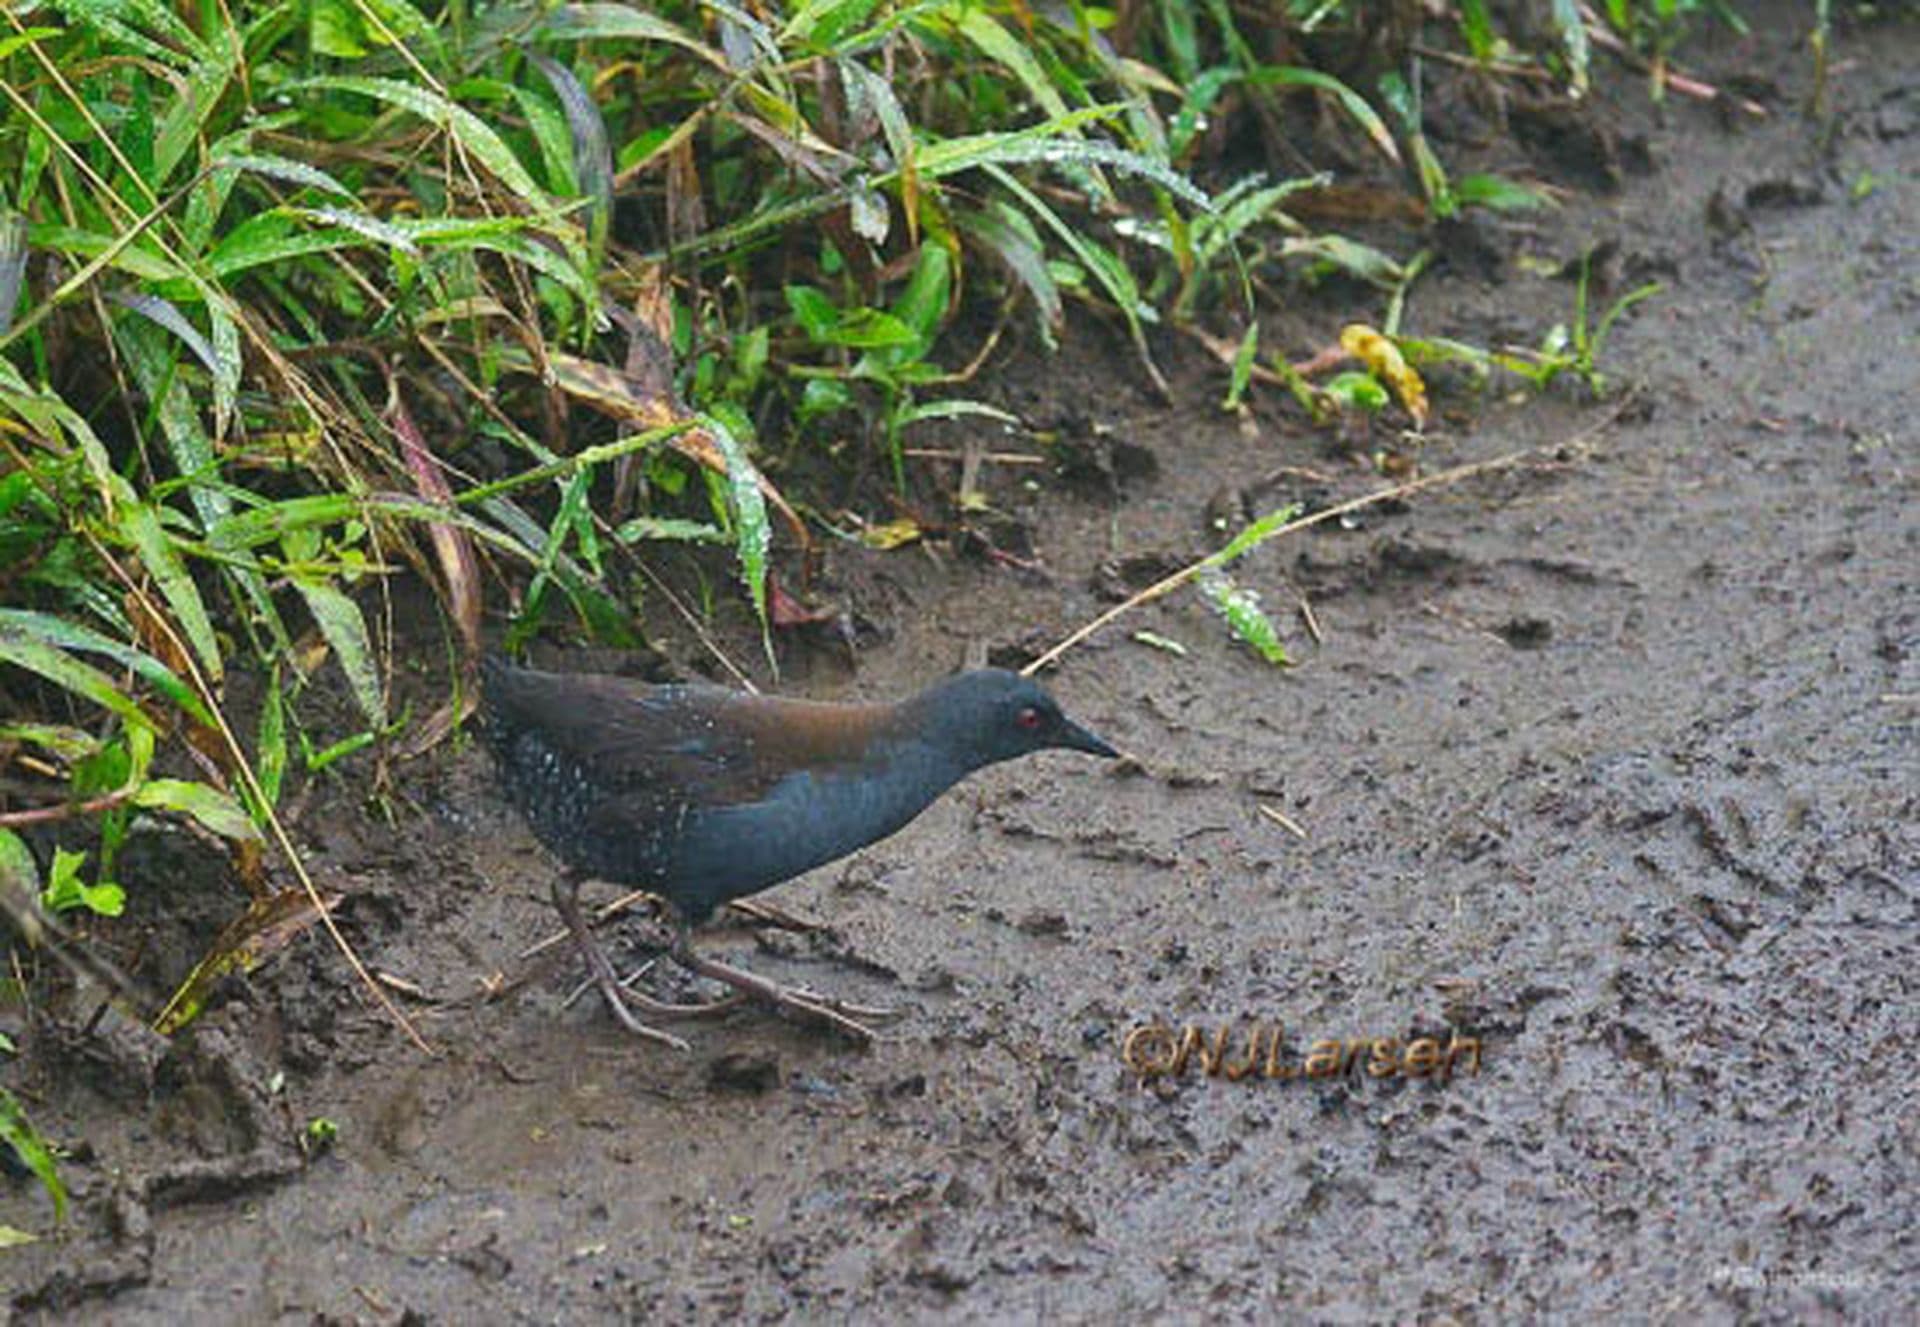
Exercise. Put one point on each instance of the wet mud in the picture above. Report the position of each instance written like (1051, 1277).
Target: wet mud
(1603, 763)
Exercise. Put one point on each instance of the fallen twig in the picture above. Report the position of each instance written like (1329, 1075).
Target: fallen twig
(1445, 478)
(1605, 38)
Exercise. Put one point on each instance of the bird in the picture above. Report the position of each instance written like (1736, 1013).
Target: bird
(704, 795)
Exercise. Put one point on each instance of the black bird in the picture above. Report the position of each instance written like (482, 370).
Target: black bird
(704, 795)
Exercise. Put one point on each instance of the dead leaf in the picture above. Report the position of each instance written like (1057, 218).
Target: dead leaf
(786, 612)
(608, 390)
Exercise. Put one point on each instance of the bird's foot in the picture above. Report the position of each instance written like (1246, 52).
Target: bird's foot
(660, 1008)
(618, 999)
(616, 995)
(835, 1013)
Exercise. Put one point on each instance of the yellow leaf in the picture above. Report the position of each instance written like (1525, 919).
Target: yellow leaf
(893, 534)
(1384, 360)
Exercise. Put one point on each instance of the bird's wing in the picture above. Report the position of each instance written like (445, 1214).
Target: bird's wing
(683, 744)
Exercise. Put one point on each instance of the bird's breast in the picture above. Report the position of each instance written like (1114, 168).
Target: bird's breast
(805, 819)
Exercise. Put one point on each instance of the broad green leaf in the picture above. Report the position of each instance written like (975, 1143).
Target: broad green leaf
(284, 169)
(1243, 361)
(468, 129)
(1255, 534)
(1246, 206)
(185, 122)
(19, 872)
(1499, 193)
(820, 23)
(211, 807)
(227, 362)
(567, 519)
(1476, 25)
(549, 128)
(753, 535)
(341, 623)
(592, 157)
(270, 238)
(624, 23)
(1357, 391)
(33, 653)
(1350, 256)
(134, 259)
(999, 45)
(958, 407)
(669, 528)
(1112, 274)
(26, 37)
(521, 247)
(870, 329)
(194, 459)
(111, 18)
(922, 306)
(815, 313)
(221, 355)
(59, 635)
(1241, 608)
(1032, 147)
(1355, 105)
(822, 397)
(66, 891)
(140, 525)
(1011, 238)
(380, 232)
(1182, 37)
(270, 759)
(334, 29)
(934, 161)
(19, 1134)
(54, 418)
(1201, 92)
(68, 744)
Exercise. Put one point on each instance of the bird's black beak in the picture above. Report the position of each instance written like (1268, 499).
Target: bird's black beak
(1075, 738)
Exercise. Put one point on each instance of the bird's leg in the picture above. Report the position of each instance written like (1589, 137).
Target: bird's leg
(820, 1008)
(566, 900)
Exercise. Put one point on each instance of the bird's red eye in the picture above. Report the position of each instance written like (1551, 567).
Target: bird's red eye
(1028, 718)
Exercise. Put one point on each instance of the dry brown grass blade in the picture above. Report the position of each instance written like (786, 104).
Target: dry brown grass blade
(1227, 351)
(459, 568)
(268, 925)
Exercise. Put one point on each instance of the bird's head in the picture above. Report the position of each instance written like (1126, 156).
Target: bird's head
(989, 715)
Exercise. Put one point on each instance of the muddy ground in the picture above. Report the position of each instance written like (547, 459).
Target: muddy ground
(1606, 761)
